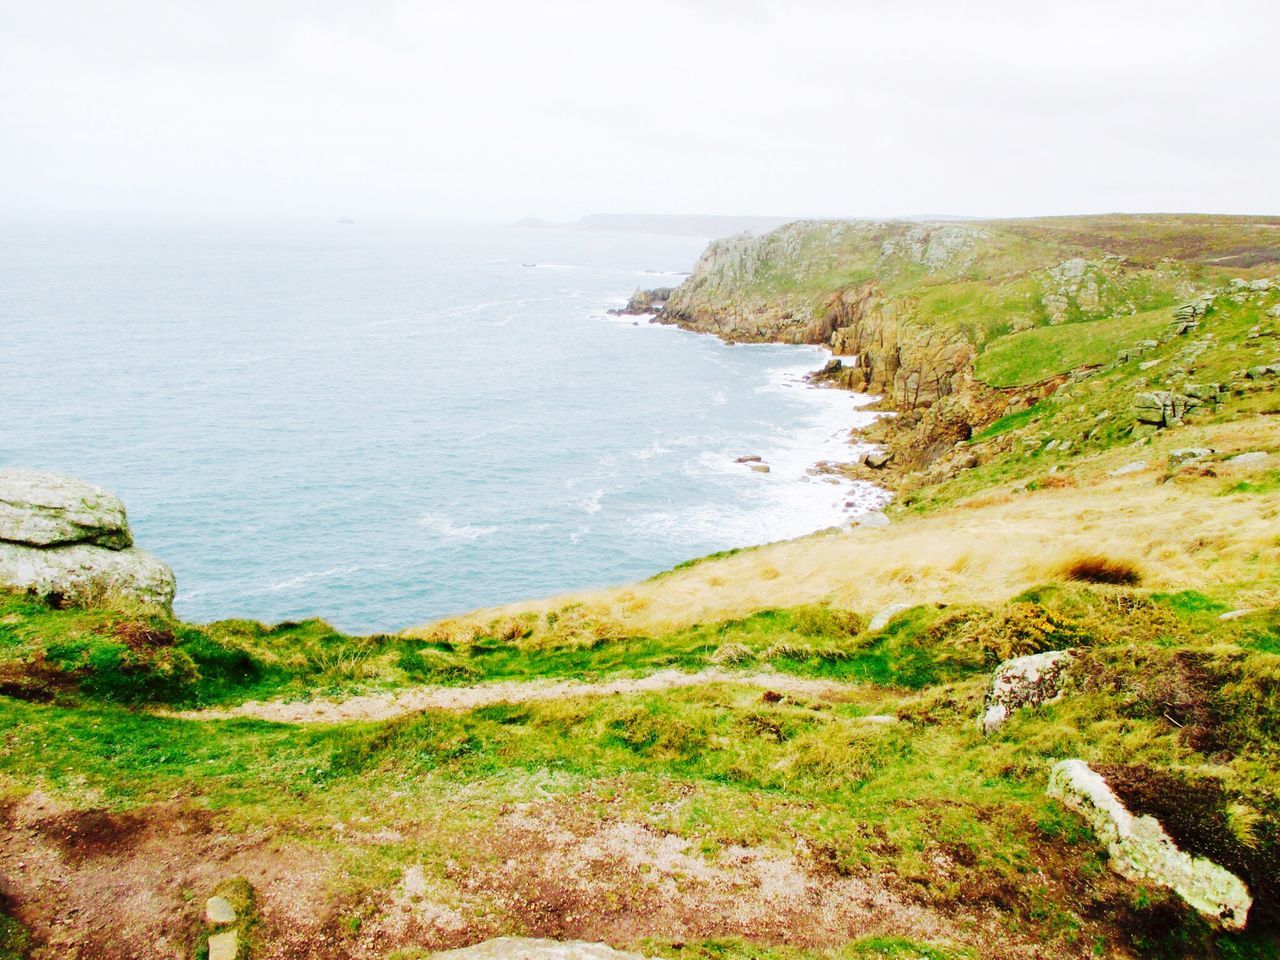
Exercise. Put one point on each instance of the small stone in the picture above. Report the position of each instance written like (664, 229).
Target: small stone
(219, 910)
(1134, 466)
(224, 946)
(1236, 614)
(749, 459)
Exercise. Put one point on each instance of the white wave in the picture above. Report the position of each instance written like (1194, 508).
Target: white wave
(654, 449)
(445, 527)
(556, 266)
(591, 503)
(290, 583)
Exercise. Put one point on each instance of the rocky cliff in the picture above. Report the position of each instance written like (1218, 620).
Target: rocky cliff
(909, 308)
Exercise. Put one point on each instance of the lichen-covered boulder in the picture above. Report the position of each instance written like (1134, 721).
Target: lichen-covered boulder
(44, 510)
(1024, 682)
(1140, 849)
(82, 574)
(526, 948)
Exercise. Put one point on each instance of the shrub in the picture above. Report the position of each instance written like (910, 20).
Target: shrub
(1095, 568)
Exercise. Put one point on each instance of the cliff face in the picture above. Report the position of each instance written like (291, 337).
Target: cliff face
(831, 284)
(955, 324)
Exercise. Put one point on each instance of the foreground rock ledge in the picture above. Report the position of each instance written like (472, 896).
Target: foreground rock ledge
(45, 510)
(65, 539)
(1141, 850)
(525, 948)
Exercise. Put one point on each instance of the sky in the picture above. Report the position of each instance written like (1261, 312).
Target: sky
(498, 109)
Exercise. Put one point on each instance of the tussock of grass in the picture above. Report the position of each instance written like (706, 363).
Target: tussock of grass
(1096, 568)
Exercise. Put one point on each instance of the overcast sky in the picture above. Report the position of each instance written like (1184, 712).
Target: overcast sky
(494, 109)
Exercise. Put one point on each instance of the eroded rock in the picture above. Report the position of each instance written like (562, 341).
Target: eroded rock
(1140, 849)
(45, 509)
(1024, 682)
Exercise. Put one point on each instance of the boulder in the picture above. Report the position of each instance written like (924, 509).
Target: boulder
(44, 510)
(749, 459)
(1163, 408)
(1244, 459)
(878, 460)
(1140, 849)
(67, 540)
(82, 574)
(760, 467)
(1024, 682)
(527, 948)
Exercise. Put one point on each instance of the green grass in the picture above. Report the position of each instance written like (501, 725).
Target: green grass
(1268, 482)
(1038, 354)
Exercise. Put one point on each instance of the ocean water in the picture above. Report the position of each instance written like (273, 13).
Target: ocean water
(384, 423)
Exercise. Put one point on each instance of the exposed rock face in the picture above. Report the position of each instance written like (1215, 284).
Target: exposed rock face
(647, 301)
(1163, 408)
(526, 948)
(65, 539)
(44, 509)
(934, 245)
(83, 574)
(1141, 850)
(1024, 682)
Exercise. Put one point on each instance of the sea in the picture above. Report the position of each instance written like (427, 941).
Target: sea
(381, 423)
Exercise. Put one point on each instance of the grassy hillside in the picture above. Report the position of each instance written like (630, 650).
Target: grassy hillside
(772, 752)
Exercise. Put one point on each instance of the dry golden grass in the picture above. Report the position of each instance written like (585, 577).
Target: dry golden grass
(1181, 535)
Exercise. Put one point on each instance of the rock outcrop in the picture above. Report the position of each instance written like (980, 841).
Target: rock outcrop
(644, 302)
(67, 540)
(1163, 408)
(1024, 682)
(527, 948)
(45, 510)
(1140, 849)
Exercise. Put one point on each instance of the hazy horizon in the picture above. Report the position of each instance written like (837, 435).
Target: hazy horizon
(562, 109)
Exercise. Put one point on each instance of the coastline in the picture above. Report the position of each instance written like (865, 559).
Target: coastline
(832, 453)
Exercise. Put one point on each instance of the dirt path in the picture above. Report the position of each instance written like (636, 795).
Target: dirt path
(385, 706)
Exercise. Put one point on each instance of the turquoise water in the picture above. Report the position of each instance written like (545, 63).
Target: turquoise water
(383, 423)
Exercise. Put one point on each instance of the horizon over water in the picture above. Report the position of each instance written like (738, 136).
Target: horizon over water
(384, 423)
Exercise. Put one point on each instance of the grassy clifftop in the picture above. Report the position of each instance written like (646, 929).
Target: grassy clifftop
(983, 278)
